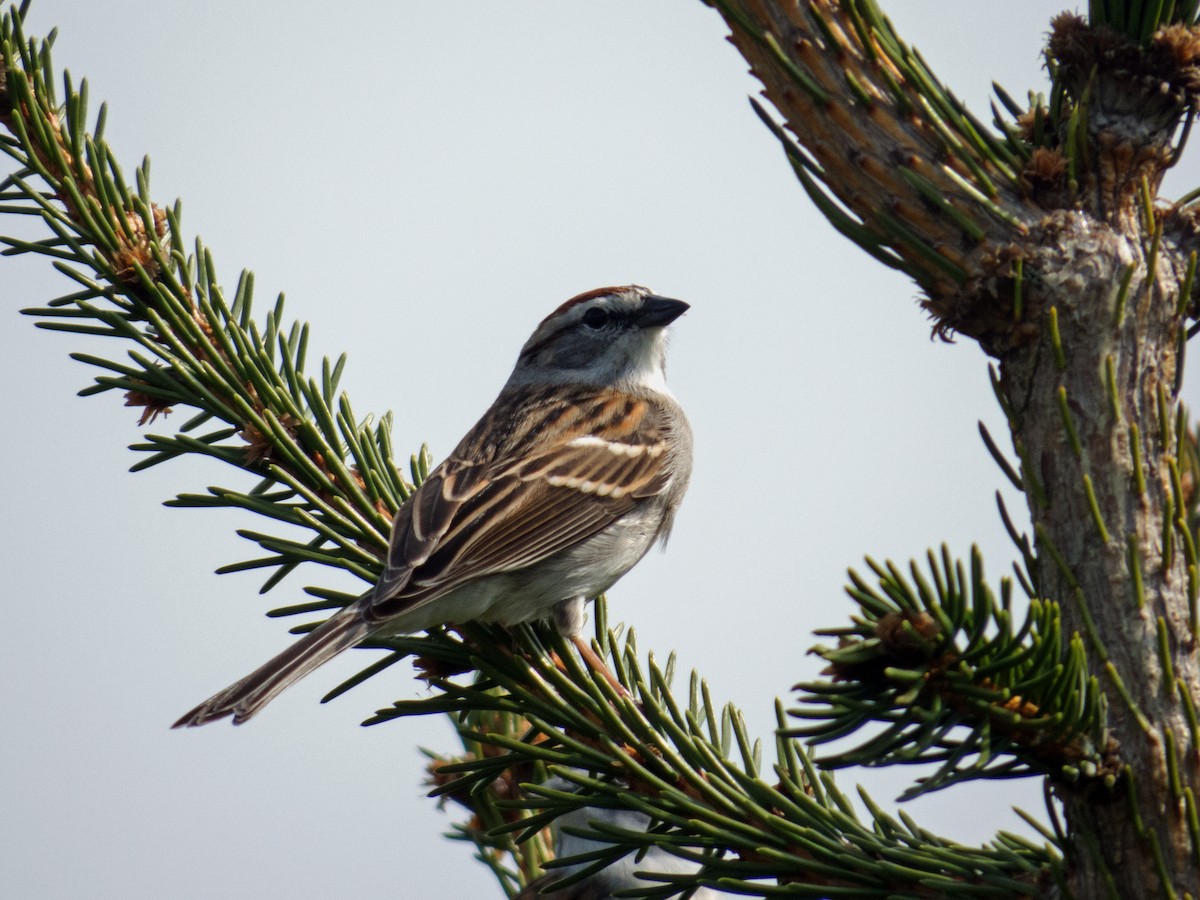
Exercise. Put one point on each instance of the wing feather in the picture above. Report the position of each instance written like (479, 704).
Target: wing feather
(533, 478)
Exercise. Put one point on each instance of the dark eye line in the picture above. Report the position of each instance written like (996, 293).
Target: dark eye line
(596, 318)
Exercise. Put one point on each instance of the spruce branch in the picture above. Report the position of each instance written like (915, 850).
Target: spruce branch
(255, 407)
(890, 156)
(944, 664)
(899, 165)
(693, 769)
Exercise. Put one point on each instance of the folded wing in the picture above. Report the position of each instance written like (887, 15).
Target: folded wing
(566, 469)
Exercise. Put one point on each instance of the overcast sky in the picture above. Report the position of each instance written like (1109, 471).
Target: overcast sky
(426, 181)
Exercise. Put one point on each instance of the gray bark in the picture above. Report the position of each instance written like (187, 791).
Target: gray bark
(1031, 266)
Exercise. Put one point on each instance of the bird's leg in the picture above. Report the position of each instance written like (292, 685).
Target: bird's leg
(431, 668)
(598, 665)
(569, 618)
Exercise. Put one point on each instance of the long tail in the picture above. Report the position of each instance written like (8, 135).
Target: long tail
(244, 698)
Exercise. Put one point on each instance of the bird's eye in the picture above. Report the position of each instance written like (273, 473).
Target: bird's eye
(595, 317)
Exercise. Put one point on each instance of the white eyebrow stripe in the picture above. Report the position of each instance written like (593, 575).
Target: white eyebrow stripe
(617, 447)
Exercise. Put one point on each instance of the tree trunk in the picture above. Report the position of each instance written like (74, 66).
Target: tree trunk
(1094, 420)
(1045, 246)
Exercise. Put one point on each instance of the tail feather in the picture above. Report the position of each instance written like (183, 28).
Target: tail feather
(244, 698)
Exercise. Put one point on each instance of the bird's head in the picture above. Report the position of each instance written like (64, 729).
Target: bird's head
(611, 336)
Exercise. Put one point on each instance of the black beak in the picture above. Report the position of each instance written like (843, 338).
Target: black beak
(657, 312)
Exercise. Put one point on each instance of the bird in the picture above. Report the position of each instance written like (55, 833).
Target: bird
(635, 869)
(573, 473)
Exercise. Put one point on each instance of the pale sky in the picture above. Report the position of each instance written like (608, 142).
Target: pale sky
(426, 182)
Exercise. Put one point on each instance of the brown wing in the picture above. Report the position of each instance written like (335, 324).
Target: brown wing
(540, 473)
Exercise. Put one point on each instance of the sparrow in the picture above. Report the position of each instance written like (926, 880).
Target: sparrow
(560, 489)
(623, 874)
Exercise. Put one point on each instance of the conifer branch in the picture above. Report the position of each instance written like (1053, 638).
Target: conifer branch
(942, 662)
(745, 821)
(253, 404)
(893, 159)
